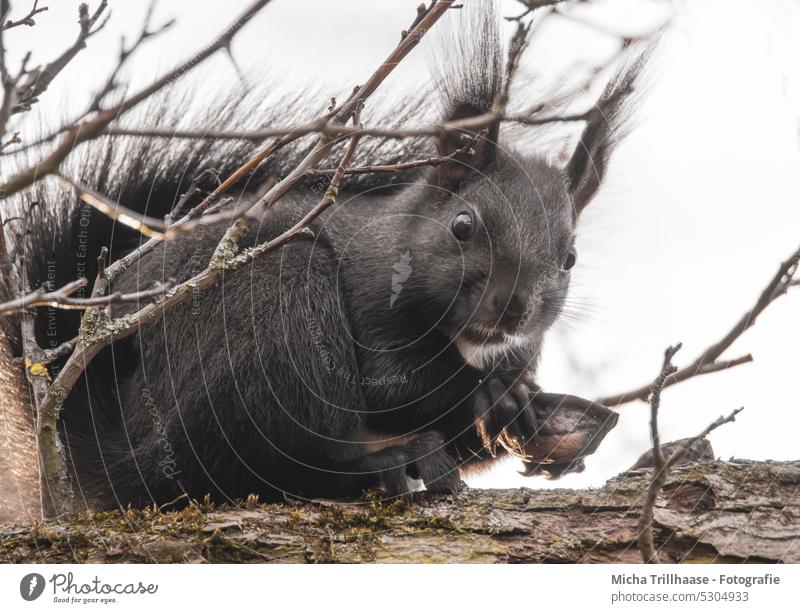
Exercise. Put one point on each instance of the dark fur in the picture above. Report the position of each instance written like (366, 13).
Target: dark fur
(275, 380)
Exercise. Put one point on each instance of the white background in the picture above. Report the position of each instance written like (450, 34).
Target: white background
(700, 206)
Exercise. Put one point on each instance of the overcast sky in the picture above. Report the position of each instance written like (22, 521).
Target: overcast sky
(700, 206)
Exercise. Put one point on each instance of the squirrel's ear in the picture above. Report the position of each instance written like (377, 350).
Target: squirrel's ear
(466, 150)
(589, 163)
(587, 166)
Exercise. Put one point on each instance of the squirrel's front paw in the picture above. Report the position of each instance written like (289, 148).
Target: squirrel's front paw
(503, 413)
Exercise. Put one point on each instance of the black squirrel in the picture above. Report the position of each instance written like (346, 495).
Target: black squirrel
(397, 344)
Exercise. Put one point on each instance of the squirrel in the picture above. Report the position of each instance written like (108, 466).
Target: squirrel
(396, 343)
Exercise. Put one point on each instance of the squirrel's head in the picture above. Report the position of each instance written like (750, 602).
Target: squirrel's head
(494, 230)
(497, 254)
(498, 240)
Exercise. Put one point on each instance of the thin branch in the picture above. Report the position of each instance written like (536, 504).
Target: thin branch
(8, 83)
(515, 49)
(421, 25)
(532, 5)
(109, 273)
(92, 128)
(663, 466)
(149, 226)
(41, 297)
(667, 369)
(125, 53)
(37, 81)
(8, 277)
(426, 17)
(329, 126)
(328, 199)
(708, 361)
(25, 21)
(15, 139)
(434, 160)
(333, 129)
(62, 298)
(53, 355)
(236, 176)
(646, 546)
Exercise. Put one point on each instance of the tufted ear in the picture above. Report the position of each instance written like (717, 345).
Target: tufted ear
(604, 130)
(466, 149)
(587, 167)
(467, 68)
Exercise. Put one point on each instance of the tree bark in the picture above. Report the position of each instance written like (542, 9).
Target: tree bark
(19, 470)
(733, 511)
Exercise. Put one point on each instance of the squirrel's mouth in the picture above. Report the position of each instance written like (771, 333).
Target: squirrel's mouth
(479, 333)
(478, 343)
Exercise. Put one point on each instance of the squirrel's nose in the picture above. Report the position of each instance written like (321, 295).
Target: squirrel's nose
(509, 308)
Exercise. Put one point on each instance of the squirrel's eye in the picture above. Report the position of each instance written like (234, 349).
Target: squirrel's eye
(572, 257)
(462, 226)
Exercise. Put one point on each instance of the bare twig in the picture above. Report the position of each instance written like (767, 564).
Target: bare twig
(660, 474)
(532, 5)
(708, 361)
(661, 465)
(646, 546)
(235, 177)
(328, 199)
(62, 298)
(109, 273)
(334, 129)
(422, 25)
(125, 53)
(24, 21)
(8, 277)
(15, 139)
(434, 160)
(92, 128)
(111, 84)
(515, 49)
(149, 226)
(426, 17)
(37, 81)
(8, 83)
(53, 355)
(667, 369)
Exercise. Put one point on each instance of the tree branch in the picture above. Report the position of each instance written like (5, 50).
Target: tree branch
(37, 81)
(708, 361)
(425, 18)
(663, 466)
(532, 5)
(125, 53)
(62, 298)
(24, 21)
(755, 517)
(92, 128)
